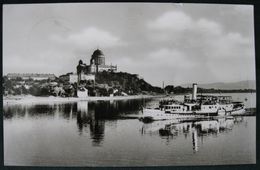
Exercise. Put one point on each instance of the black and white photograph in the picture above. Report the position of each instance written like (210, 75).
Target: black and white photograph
(128, 84)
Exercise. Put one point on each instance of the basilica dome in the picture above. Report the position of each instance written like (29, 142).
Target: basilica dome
(97, 52)
(98, 57)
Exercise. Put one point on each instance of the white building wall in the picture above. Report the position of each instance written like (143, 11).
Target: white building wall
(83, 94)
(73, 78)
(88, 77)
(39, 78)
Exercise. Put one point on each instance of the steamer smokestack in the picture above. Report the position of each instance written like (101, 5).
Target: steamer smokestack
(194, 92)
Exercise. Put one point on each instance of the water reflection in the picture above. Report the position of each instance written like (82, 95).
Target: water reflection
(66, 134)
(21, 111)
(93, 115)
(172, 129)
(90, 117)
(86, 118)
(195, 146)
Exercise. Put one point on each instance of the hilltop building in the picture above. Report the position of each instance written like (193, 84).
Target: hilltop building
(97, 64)
(87, 72)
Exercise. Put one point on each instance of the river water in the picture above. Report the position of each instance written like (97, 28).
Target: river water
(107, 133)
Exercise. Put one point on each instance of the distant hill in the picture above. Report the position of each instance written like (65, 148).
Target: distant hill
(248, 84)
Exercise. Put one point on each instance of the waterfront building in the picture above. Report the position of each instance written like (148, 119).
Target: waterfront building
(33, 76)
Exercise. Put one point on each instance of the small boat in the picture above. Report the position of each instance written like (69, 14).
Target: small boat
(238, 108)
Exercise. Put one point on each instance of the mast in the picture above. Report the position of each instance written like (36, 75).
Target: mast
(163, 87)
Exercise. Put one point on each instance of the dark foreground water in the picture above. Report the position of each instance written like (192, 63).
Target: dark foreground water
(106, 133)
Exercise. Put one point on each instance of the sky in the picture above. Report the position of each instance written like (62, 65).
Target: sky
(161, 42)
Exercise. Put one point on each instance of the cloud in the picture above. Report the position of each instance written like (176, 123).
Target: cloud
(201, 43)
(165, 57)
(178, 23)
(178, 26)
(238, 38)
(230, 46)
(202, 36)
(89, 38)
(207, 27)
(172, 20)
(28, 65)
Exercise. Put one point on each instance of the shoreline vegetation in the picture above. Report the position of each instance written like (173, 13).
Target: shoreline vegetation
(105, 84)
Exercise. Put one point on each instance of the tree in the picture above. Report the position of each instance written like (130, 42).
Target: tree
(44, 91)
(18, 79)
(24, 90)
(34, 90)
(169, 88)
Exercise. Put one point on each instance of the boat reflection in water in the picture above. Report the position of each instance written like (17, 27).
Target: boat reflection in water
(198, 129)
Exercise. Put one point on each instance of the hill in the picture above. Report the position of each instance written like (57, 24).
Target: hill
(247, 84)
(126, 82)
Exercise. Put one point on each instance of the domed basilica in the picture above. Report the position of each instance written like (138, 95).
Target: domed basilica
(97, 64)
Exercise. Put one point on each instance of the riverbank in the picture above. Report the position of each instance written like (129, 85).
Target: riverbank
(51, 99)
